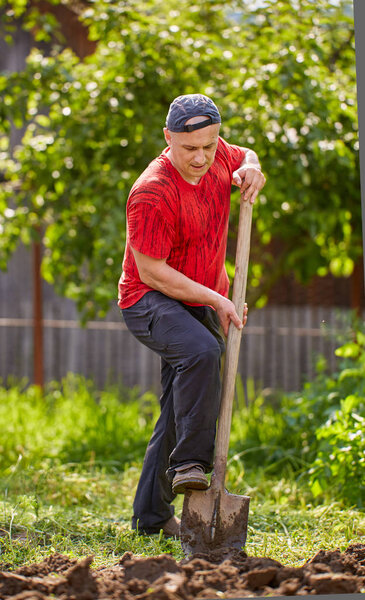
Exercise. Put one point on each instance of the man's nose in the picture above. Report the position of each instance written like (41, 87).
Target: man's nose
(199, 156)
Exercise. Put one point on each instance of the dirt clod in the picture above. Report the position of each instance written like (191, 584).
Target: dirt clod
(228, 575)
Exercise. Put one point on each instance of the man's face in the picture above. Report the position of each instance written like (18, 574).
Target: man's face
(192, 153)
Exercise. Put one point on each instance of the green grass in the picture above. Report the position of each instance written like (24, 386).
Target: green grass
(74, 509)
(69, 467)
(81, 510)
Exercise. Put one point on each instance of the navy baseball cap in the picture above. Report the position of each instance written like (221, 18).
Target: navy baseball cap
(185, 107)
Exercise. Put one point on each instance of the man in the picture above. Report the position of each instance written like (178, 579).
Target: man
(173, 295)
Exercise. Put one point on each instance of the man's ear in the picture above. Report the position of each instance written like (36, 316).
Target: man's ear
(167, 135)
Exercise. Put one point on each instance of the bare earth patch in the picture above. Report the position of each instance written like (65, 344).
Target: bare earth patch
(205, 576)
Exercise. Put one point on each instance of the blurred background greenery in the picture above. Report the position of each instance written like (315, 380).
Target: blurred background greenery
(284, 79)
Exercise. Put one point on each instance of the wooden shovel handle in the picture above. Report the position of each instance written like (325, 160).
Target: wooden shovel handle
(233, 346)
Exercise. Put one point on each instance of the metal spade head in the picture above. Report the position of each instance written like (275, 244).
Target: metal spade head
(213, 520)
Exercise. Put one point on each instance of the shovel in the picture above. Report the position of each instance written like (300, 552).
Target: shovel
(214, 519)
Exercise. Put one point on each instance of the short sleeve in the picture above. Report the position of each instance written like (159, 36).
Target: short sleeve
(234, 154)
(149, 232)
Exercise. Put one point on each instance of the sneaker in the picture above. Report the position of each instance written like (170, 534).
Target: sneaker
(189, 477)
(172, 527)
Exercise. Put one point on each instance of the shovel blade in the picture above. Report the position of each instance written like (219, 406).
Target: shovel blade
(213, 520)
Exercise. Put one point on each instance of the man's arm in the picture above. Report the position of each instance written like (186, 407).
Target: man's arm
(157, 274)
(249, 177)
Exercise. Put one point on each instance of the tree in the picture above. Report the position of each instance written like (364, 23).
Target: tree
(285, 82)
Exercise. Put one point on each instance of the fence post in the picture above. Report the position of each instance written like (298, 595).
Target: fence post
(37, 316)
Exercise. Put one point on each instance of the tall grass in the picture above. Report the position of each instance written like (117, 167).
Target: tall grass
(73, 422)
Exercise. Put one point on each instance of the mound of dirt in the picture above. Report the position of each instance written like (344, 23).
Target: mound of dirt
(223, 575)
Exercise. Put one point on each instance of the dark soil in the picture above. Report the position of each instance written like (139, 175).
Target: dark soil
(227, 575)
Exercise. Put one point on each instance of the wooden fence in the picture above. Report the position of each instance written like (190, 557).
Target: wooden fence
(278, 349)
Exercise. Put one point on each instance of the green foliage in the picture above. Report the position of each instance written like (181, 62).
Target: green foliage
(303, 125)
(285, 82)
(340, 462)
(41, 23)
(317, 435)
(72, 422)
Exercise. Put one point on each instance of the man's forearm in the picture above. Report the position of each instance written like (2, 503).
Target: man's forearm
(174, 284)
(251, 159)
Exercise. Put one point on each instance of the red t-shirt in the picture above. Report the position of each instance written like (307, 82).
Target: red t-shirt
(186, 224)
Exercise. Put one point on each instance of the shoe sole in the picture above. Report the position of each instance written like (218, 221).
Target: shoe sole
(181, 486)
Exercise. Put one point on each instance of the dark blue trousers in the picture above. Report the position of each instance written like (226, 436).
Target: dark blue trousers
(188, 340)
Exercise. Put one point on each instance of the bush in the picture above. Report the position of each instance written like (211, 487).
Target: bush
(319, 434)
(340, 464)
